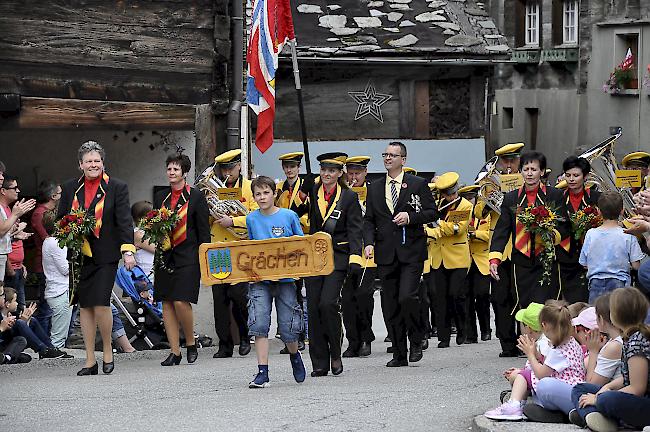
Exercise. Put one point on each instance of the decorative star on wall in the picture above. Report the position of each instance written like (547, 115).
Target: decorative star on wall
(370, 102)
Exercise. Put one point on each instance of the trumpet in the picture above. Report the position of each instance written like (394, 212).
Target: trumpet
(209, 183)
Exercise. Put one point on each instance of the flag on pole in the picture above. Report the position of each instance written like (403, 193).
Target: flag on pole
(271, 27)
(629, 60)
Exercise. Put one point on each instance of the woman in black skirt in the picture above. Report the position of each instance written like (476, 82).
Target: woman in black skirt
(334, 209)
(177, 285)
(107, 198)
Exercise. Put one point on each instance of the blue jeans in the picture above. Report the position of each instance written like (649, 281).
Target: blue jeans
(624, 407)
(554, 394)
(36, 337)
(260, 300)
(598, 287)
(44, 312)
(118, 327)
(17, 282)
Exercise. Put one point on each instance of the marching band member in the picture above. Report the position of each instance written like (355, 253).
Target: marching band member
(180, 288)
(429, 281)
(396, 210)
(527, 267)
(358, 301)
(502, 298)
(478, 277)
(573, 276)
(639, 161)
(334, 209)
(229, 167)
(450, 259)
(409, 170)
(107, 198)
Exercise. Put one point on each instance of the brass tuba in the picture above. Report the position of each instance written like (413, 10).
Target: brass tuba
(209, 183)
(603, 171)
(488, 178)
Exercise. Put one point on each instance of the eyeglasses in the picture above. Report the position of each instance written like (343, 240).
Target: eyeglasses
(391, 155)
(13, 187)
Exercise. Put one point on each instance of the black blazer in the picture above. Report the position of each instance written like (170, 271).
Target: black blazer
(346, 237)
(117, 224)
(590, 197)
(506, 225)
(380, 231)
(198, 229)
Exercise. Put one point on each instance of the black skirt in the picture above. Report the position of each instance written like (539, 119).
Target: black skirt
(181, 285)
(95, 284)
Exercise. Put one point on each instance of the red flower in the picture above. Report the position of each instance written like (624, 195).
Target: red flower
(151, 214)
(535, 211)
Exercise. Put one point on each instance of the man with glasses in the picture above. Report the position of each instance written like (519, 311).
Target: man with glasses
(12, 236)
(393, 232)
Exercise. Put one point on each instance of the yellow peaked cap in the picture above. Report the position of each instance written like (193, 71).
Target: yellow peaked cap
(231, 156)
(358, 160)
(511, 150)
(447, 180)
(295, 156)
(409, 170)
(642, 157)
(468, 188)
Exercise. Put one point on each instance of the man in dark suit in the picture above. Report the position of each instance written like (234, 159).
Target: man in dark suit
(396, 210)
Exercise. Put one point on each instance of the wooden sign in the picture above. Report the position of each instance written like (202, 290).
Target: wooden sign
(362, 192)
(271, 259)
(229, 194)
(628, 178)
(510, 182)
(457, 216)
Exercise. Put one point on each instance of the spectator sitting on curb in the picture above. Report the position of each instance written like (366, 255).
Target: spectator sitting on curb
(30, 329)
(11, 347)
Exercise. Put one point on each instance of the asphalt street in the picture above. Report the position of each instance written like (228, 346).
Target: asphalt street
(443, 392)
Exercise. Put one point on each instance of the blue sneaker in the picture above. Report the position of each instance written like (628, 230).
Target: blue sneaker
(261, 380)
(298, 367)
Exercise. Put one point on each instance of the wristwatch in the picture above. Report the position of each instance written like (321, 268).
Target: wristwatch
(128, 253)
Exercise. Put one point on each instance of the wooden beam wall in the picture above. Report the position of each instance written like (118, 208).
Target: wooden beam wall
(42, 113)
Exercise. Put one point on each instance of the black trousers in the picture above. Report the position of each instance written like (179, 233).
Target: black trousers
(14, 347)
(324, 318)
(425, 304)
(430, 283)
(358, 304)
(223, 296)
(503, 303)
(573, 282)
(451, 298)
(478, 302)
(527, 284)
(400, 303)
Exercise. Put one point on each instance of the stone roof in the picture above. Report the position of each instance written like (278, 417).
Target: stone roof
(414, 28)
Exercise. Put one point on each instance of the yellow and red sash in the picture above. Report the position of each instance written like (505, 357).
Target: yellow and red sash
(179, 233)
(99, 207)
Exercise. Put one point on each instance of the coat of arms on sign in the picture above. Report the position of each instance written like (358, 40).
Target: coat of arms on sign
(370, 102)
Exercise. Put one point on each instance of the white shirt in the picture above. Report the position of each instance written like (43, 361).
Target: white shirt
(144, 259)
(55, 267)
(5, 240)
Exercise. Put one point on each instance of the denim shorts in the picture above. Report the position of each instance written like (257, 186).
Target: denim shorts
(598, 287)
(260, 299)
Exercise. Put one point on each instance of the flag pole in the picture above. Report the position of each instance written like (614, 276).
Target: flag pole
(301, 109)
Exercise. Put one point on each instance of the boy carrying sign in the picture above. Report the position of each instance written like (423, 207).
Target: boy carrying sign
(273, 222)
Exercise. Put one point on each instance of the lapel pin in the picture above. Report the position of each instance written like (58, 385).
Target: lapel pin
(99, 195)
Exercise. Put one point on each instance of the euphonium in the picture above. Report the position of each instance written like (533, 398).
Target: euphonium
(490, 185)
(209, 183)
(603, 171)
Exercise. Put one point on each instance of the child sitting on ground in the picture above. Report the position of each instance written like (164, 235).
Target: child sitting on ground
(625, 399)
(268, 222)
(564, 360)
(583, 324)
(608, 252)
(520, 379)
(604, 344)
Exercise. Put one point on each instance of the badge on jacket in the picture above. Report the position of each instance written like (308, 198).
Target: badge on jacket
(415, 203)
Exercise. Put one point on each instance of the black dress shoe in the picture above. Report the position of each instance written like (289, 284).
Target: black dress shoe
(486, 336)
(222, 353)
(460, 338)
(443, 344)
(284, 350)
(365, 350)
(244, 347)
(192, 353)
(172, 360)
(337, 369)
(539, 414)
(350, 352)
(93, 370)
(425, 344)
(416, 353)
(301, 346)
(397, 363)
(108, 367)
(471, 341)
(319, 373)
(390, 350)
(509, 353)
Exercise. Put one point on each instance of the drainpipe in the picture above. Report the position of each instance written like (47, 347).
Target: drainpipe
(234, 110)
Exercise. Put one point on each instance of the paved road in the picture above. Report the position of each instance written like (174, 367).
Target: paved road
(443, 392)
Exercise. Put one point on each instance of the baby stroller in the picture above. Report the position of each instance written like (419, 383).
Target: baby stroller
(144, 317)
